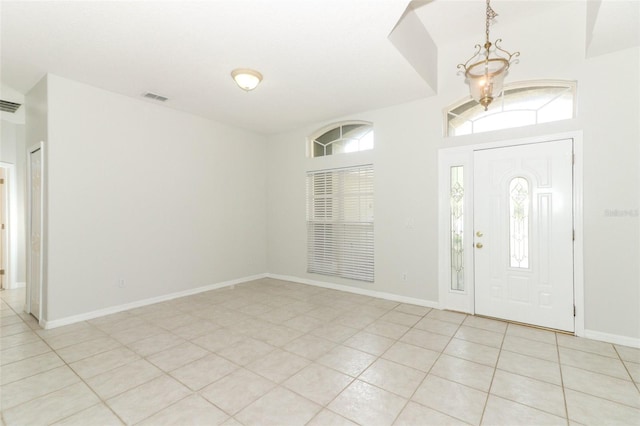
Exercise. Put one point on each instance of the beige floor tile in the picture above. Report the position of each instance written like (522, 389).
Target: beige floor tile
(412, 356)
(485, 324)
(367, 405)
(329, 418)
(600, 385)
(63, 340)
(531, 333)
(354, 320)
(475, 352)
(634, 370)
(51, 407)
(500, 411)
(590, 410)
(370, 343)
(303, 323)
(135, 334)
(18, 353)
(278, 407)
(535, 368)
(387, 329)
(337, 333)
(237, 390)
(451, 398)
(98, 414)
(529, 347)
(218, 339)
(325, 313)
(347, 360)
(193, 410)
(35, 386)
(278, 365)
(278, 335)
(412, 309)
(628, 354)
(154, 344)
(415, 414)
(175, 321)
(145, 400)
(278, 315)
(246, 351)
(437, 326)
(477, 335)
(426, 339)
(318, 383)
(121, 379)
(401, 318)
(393, 377)
(587, 345)
(7, 342)
(447, 316)
(121, 323)
(86, 349)
(534, 393)
(105, 361)
(16, 328)
(203, 371)
(178, 356)
(594, 362)
(474, 375)
(310, 347)
(195, 329)
(29, 367)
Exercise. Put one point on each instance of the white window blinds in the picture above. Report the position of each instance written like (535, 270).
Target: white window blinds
(340, 222)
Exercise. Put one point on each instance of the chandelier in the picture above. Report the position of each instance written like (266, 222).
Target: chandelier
(485, 75)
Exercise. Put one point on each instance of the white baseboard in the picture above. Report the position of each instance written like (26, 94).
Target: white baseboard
(612, 338)
(357, 290)
(115, 309)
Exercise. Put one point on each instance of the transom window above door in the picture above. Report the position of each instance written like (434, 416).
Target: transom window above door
(520, 104)
(353, 136)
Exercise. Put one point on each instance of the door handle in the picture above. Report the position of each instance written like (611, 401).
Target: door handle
(479, 234)
(479, 245)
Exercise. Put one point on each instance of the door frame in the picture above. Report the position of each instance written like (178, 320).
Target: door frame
(10, 253)
(464, 301)
(34, 148)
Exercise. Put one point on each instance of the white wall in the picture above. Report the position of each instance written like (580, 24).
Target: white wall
(408, 138)
(162, 199)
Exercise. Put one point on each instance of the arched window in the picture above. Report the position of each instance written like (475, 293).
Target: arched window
(521, 104)
(352, 136)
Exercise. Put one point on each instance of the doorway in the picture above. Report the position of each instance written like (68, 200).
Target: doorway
(511, 231)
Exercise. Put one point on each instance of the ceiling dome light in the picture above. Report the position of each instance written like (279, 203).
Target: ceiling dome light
(486, 76)
(246, 79)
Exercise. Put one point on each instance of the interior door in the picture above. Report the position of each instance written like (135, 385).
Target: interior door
(35, 227)
(523, 233)
(3, 231)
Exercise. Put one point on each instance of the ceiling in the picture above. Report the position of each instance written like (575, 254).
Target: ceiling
(321, 59)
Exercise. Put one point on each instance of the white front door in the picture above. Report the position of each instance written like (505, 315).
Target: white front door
(523, 233)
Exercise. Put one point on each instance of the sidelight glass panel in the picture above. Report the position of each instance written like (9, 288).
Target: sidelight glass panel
(457, 228)
(519, 223)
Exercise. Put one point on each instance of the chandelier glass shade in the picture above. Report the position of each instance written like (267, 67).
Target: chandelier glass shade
(486, 69)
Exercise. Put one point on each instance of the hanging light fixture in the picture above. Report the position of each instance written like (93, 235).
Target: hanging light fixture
(485, 76)
(246, 79)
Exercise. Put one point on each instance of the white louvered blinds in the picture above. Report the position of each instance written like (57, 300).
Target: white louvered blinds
(340, 222)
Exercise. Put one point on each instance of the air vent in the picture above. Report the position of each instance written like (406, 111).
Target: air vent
(155, 97)
(6, 106)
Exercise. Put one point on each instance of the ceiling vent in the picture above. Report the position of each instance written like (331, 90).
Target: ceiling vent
(155, 97)
(7, 106)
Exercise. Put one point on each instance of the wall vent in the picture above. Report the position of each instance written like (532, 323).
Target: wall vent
(155, 97)
(7, 106)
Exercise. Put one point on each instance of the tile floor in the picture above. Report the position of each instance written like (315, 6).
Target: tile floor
(277, 353)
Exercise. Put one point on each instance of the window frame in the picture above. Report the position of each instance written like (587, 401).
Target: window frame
(318, 133)
(530, 84)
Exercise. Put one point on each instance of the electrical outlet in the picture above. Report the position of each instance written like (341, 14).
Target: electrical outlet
(404, 276)
(121, 282)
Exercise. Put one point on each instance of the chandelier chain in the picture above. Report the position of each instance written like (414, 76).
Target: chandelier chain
(491, 14)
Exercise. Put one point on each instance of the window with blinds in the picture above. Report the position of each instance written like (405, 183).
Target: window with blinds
(340, 222)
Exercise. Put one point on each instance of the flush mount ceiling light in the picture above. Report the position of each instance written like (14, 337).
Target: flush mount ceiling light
(485, 76)
(246, 79)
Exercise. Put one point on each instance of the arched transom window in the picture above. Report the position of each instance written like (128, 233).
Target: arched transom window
(520, 104)
(342, 138)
